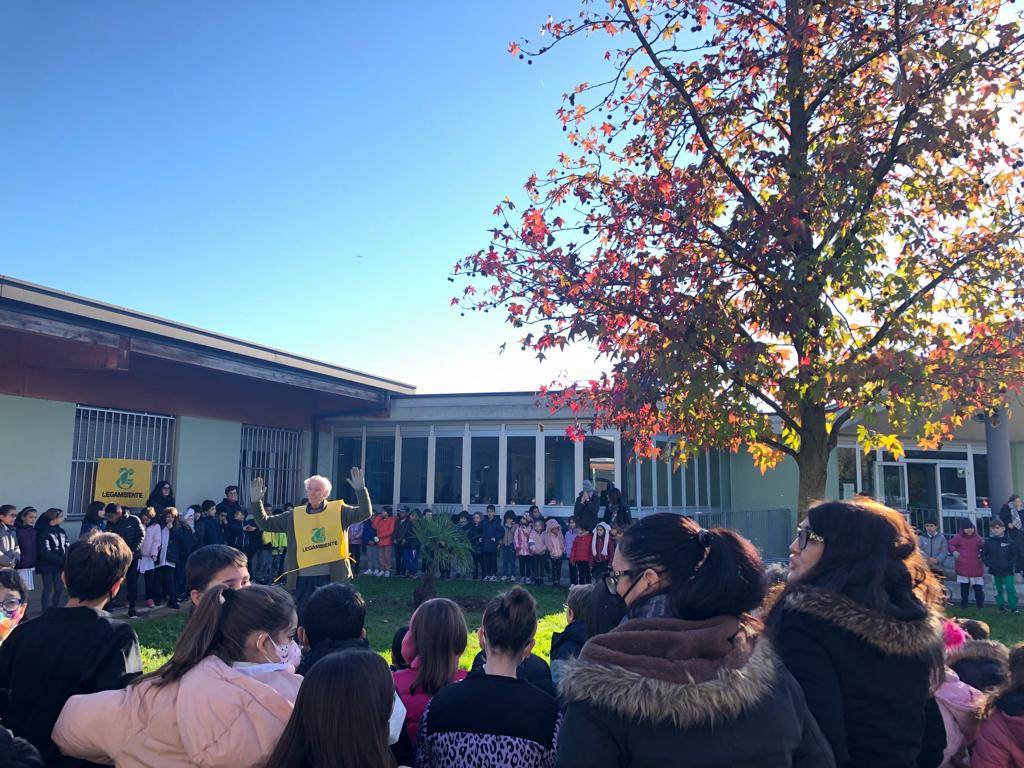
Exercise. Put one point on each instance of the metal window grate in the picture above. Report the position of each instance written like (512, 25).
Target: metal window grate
(276, 456)
(105, 433)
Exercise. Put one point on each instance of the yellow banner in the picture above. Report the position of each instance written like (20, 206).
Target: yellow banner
(319, 538)
(123, 481)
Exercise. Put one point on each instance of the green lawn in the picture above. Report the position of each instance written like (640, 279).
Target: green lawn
(388, 608)
(1006, 628)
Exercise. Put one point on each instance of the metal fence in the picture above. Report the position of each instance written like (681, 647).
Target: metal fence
(276, 456)
(950, 519)
(770, 530)
(105, 433)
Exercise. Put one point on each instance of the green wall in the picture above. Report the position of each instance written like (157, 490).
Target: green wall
(776, 489)
(1017, 464)
(35, 452)
(207, 461)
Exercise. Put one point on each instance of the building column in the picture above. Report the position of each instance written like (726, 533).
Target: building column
(502, 468)
(431, 465)
(466, 465)
(578, 474)
(539, 469)
(1000, 468)
(396, 481)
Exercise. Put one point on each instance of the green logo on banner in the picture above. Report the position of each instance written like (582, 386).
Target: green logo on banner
(319, 535)
(125, 479)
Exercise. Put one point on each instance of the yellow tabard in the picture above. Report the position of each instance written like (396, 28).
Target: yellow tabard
(319, 538)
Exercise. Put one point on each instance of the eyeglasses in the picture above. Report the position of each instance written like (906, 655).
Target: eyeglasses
(11, 604)
(611, 579)
(805, 536)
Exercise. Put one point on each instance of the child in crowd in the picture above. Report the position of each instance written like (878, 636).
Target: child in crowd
(412, 547)
(222, 700)
(222, 522)
(435, 641)
(234, 534)
(507, 549)
(212, 565)
(208, 528)
(970, 572)
(465, 524)
(53, 547)
(333, 621)
(476, 542)
(13, 602)
(999, 554)
(491, 532)
(491, 717)
(934, 549)
(522, 539)
(538, 550)
(182, 545)
(1000, 739)
(93, 519)
(554, 540)
(571, 532)
(402, 526)
(384, 533)
(9, 551)
(150, 553)
(580, 558)
(71, 650)
(602, 550)
(258, 550)
(325, 730)
(170, 553)
(25, 527)
(355, 543)
(566, 645)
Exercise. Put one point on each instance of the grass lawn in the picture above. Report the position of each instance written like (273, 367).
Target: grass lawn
(1006, 628)
(388, 608)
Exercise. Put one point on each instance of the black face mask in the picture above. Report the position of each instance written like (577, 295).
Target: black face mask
(605, 611)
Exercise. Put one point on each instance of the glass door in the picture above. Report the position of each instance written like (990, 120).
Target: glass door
(894, 484)
(952, 487)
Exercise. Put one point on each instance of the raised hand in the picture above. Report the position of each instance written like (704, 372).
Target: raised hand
(257, 489)
(356, 479)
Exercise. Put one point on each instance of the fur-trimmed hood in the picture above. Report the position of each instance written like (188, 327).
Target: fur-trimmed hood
(688, 673)
(979, 650)
(912, 634)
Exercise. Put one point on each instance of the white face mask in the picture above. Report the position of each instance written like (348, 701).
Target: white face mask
(290, 654)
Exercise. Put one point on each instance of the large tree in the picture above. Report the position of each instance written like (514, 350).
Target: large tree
(775, 217)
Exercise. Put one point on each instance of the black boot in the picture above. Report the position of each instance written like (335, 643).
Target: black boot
(979, 596)
(965, 594)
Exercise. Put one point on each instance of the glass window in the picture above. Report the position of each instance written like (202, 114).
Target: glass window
(521, 455)
(867, 473)
(715, 482)
(413, 488)
(559, 470)
(447, 470)
(691, 479)
(662, 479)
(982, 500)
(348, 453)
(646, 484)
(846, 464)
(628, 462)
(677, 482)
(599, 460)
(380, 468)
(483, 477)
(702, 478)
(725, 461)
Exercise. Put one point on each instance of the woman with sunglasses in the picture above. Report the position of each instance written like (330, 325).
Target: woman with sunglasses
(855, 626)
(686, 677)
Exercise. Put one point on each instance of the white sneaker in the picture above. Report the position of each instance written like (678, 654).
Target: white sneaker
(387, 574)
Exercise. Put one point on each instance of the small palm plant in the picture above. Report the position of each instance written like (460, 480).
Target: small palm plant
(442, 546)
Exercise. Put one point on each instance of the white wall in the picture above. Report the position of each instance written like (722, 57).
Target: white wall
(35, 451)
(207, 460)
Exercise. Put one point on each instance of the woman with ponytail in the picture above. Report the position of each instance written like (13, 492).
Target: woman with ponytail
(223, 699)
(856, 627)
(687, 676)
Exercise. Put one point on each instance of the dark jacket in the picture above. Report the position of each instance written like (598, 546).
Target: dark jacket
(16, 752)
(999, 554)
(89, 525)
(488, 720)
(230, 507)
(866, 674)
(566, 646)
(28, 542)
(208, 531)
(586, 513)
(981, 664)
(129, 528)
(327, 647)
(234, 535)
(10, 552)
(180, 544)
(491, 534)
(64, 652)
(533, 670)
(617, 515)
(403, 527)
(475, 534)
(53, 547)
(666, 692)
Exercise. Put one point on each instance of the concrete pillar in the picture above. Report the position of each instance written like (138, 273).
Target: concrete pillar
(1000, 469)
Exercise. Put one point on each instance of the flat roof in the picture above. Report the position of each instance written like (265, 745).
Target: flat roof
(51, 299)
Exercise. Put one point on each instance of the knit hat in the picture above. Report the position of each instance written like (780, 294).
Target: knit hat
(588, 486)
(965, 523)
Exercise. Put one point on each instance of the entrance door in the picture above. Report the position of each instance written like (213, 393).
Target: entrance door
(894, 484)
(952, 488)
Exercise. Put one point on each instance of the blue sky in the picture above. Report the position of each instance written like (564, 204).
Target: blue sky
(227, 164)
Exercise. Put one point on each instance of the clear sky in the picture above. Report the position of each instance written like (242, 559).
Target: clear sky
(300, 175)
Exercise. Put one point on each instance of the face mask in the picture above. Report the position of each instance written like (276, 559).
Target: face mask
(289, 654)
(8, 621)
(396, 721)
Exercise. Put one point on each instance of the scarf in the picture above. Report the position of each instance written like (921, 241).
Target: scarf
(607, 535)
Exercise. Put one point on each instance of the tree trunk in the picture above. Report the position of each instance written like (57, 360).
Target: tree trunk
(812, 458)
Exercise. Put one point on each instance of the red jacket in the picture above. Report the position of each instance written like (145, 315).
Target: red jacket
(384, 527)
(968, 563)
(580, 552)
(1000, 741)
(415, 703)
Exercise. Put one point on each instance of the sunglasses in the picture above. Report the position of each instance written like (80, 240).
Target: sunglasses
(805, 536)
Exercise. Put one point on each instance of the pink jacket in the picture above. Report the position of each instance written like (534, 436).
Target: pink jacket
(554, 539)
(1000, 742)
(215, 716)
(958, 703)
(968, 562)
(415, 703)
(523, 541)
(538, 546)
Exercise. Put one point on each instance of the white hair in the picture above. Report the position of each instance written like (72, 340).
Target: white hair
(318, 480)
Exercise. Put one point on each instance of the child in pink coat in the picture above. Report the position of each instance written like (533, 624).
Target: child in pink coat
(539, 551)
(555, 541)
(522, 542)
(970, 571)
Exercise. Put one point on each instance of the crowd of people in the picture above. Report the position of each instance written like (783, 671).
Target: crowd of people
(676, 646)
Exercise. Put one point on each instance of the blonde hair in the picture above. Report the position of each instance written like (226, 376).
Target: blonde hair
(320, 480)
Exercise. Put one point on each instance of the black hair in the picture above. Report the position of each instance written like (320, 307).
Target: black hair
(112, 508)
(208, 504)
(931, 521)
(604, 611)
(6, 509)
(709, 573)
(230, 488)
(10, 579)
(510, 620)
(334, 612)
(94, 511)
(203, 564)
(397, 659)
(94, 565)
(20, 520)
(156, 498)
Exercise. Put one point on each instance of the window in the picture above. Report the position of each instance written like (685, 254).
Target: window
(662, 480)
(380, 468)
(867, 473)
(715, 481)
(677, 481)
(559, 470)
(982, 500)
(691, 480)
(846, 466)
(702, 478)
(483, 477)
(448, 470)
(275, 455)
(628, 462)
(646, 483)
(521, 461)
(413, 487)
(725, 461)
(599, 460)
(348, 453)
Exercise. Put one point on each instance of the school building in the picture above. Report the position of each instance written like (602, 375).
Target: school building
(82, 380)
